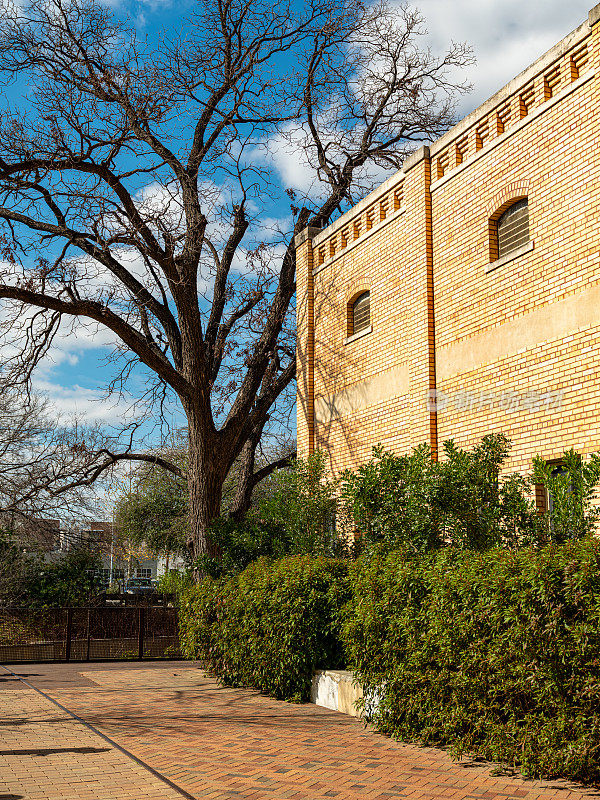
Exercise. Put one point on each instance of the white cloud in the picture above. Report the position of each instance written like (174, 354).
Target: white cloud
(286, 153)
(84, 404)
(74, 340)
(273, 227)
(294, 171)
(71, 341)
(144, 7)
(72, 345)
(506, 35)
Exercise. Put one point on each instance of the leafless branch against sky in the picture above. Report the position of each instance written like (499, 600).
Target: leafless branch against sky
(137, 196)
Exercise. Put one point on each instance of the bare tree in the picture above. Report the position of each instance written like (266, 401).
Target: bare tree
(135, 190)
(37, 454)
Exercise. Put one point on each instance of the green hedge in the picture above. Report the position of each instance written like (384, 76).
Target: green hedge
(271, 626)
(496, 654)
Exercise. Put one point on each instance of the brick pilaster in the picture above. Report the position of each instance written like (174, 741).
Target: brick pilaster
(305, 352)
(432, 384)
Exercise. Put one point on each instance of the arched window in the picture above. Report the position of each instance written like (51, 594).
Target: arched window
(513, 228)
(360, 313)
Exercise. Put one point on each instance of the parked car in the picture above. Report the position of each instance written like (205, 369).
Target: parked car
(139, 586)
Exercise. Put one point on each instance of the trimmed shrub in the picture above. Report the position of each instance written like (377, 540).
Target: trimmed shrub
(269, 627)
(496, 654)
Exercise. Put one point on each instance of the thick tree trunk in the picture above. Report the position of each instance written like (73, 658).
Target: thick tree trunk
(243, 493)
(207, 469)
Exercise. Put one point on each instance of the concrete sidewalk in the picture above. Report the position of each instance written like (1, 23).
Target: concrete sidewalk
(218, 743)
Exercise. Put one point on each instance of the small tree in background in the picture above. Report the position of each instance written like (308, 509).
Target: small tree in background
(302, 503)
(26, 580)
(153, 513)
(72, 581)
(416, 503)
(175, 582)
(37, 453)
(17, 571)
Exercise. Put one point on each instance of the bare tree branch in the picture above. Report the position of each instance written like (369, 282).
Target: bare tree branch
(137, 193)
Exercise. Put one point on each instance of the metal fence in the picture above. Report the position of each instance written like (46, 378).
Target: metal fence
(88, 634)
(125, 599)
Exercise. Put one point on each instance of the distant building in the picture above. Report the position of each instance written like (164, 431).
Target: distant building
(120, 562)
(94, 535)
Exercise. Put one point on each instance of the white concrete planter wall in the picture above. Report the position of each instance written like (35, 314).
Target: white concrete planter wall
(334, 689)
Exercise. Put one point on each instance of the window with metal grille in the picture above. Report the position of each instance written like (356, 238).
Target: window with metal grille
(361, 313)
(513, 228)
(143, 572)
(543, 495)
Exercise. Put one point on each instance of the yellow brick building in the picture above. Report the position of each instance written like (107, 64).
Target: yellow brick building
(481, 260)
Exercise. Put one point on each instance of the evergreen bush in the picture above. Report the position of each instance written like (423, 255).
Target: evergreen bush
(271, 626)
(496, 654)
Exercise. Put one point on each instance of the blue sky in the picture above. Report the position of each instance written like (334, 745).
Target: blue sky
(506, 36)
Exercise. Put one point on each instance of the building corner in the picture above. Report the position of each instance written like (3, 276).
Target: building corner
(305, 342)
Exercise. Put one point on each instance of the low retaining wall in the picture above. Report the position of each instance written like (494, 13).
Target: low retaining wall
(334, 689)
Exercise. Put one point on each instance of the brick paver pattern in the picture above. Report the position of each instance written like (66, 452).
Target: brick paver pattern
(228, 744)
(45, 755)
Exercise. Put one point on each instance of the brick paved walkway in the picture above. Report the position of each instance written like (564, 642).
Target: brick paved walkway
(224, 744)
(45, 755)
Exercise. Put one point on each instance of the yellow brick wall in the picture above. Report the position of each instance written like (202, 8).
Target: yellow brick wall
(391, 263)
(439, 238)
(554, 160)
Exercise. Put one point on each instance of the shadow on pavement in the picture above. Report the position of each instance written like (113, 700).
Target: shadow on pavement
(49, 751)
